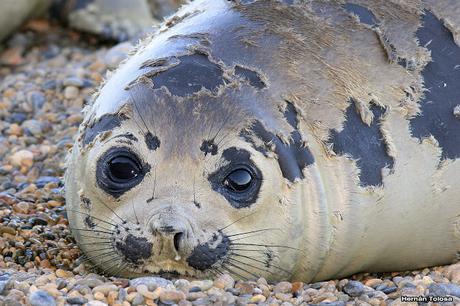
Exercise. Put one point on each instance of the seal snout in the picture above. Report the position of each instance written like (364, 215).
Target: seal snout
(171, 235)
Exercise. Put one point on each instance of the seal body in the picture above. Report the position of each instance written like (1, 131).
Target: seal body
(287, 139)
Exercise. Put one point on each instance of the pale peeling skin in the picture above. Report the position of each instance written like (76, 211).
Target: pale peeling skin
(323, 103)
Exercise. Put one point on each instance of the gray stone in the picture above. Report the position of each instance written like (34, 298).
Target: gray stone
(71, 92)
(201, 301)
(138, 300)
(14, 13)
(33, 126)
(354, 288)
(90, 282)
(389, 290)
(182, 284)
(43, 180)
(283, 287)
(117, 54)
(122, 294)
(151, 282)
(41, 298)
(36, 99)
(74, 81)
(77, 300)
(337, 303)
(444, 289)
(4, 279)
(10, 301)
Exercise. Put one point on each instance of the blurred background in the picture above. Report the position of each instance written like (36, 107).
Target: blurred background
(118, 20)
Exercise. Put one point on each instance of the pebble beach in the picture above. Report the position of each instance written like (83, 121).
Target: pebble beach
(47, 75)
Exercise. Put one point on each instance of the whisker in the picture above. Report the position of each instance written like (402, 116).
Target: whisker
(255, 267)
(218, 271)
(122, 266)
(234, 273)
(238, 220)
(266, 245)
(111, 257)
(92, 243)
(154, 181)
(261, 256)
(108, 207)
(60, 248)
(138, 112)
(246, 237)
(210, 130)
(96, 237)
(97, 256)
(104, 228)
(214, 274)
(117, 262)
(222, 126)
(103, 249)
(244, 270)
(248, 250)
(251, 232)
(89, 230)
(83, 213)
(134, 210)
(99, 219)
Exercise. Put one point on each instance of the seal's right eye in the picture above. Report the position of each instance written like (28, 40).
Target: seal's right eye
(123, 168)
(238, 180)
(119, 170)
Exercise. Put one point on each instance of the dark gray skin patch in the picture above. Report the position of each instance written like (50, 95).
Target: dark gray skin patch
(105, 123)
(292, 157)
(128, 136)
(363, 143)
(89, 222)
(367, 17)
(246, 135)
(251, 76)
(297, 145)
(152, 141)
(193, 73)
(167, 229)
(205, 255)
(442, 80)
(134, 249)
(197, 204)
(209, 147)
(85, 202)
(364, 14)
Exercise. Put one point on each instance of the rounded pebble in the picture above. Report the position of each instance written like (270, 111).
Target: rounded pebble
(41, 298)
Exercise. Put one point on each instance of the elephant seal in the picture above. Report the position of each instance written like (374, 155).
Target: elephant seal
(285, 139)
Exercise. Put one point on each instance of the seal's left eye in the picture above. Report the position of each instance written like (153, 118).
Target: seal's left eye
(123, 168)
(238, 180)
(119, 170)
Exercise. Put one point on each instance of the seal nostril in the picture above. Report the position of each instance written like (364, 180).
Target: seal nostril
(177, 239)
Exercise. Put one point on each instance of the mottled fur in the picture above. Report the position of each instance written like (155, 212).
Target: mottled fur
(314, 59)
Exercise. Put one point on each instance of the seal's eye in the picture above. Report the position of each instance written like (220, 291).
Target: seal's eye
(123, 168)
(238, 180)
(119, 170)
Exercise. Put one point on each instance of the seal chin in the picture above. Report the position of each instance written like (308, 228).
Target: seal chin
(168, 270)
